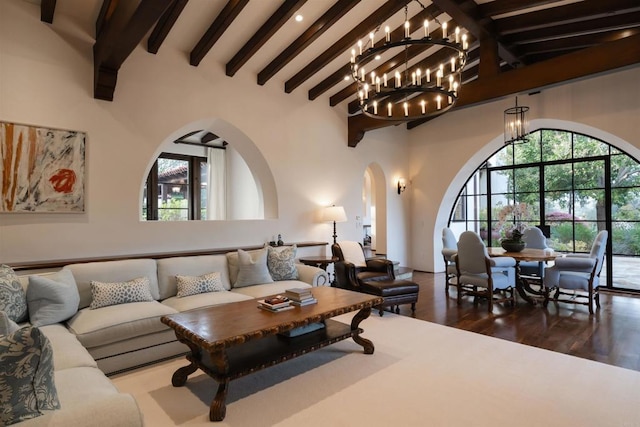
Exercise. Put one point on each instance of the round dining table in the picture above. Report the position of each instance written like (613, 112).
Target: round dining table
(527, 254)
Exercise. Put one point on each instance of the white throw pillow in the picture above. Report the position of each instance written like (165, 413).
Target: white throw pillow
(105, 294)
(192, 285)
(352, 252)
(252, 268)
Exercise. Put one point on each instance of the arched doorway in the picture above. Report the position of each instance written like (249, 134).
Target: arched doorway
(374, 208)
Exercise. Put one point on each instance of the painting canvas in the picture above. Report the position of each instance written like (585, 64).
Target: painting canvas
(41, 169)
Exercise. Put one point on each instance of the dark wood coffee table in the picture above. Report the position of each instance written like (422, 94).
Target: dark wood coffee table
(231, 340)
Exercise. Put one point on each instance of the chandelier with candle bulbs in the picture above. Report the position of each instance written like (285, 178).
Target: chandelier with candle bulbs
(410, 93)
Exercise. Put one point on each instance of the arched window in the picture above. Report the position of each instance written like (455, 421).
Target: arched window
(569, 184)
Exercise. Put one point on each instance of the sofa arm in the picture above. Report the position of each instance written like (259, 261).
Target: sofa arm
(313, 275)
(116, 410)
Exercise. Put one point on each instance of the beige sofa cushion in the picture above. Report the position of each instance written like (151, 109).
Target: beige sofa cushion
(118, 322)
(168, 268)
(113, 271)
(67, 350)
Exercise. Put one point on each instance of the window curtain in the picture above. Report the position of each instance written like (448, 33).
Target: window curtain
(216, 196)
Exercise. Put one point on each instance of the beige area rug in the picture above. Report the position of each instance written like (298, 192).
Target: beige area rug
(421, 374)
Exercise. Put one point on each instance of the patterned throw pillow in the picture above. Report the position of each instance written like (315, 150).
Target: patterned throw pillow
(252, 268)
(282, 263)
(105, 294)
(27, 382)
(192, 285)
(13, 299)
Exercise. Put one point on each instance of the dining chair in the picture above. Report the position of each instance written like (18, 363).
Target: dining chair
(577, 272)
(475, 269)
(449, 250)
(535, 239)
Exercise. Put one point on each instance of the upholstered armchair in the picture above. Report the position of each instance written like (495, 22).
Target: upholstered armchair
(577, 272)
(496, 276)
(449, 250)
(352, 268)
(535, 239)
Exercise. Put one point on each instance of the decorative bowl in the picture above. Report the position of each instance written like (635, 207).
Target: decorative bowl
(512, 246)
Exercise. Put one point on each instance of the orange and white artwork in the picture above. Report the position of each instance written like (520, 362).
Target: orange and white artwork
(41, 169)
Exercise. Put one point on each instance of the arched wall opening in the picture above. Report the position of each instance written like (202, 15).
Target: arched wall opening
(244, 157)
(375, 185)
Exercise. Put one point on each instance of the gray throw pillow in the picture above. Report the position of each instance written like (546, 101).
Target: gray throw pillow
(13, 300)
(52, 299)
(26, 376)
(282, 263)
(105, 294)
(7, 326)
(252, 268)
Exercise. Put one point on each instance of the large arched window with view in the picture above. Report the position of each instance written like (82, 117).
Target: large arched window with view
(571, 185)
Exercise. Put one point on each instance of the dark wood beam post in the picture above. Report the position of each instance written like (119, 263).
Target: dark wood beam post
(489, 59)
(47, 8)
(120, 34)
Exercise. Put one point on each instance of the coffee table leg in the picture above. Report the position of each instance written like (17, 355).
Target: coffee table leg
(218, 408)
(355, 322)
(180, 376)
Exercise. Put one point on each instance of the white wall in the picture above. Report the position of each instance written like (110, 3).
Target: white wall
(446, 151)
(46, 78)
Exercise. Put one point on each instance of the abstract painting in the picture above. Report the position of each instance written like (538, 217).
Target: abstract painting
(41, 169)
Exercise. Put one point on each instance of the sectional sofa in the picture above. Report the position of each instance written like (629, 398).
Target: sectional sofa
(108, 332)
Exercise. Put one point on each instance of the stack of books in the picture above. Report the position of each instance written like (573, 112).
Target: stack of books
(300, 296)
(275, 304)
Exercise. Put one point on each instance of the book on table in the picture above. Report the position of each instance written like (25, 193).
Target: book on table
(307, 301)
(300, 296)
(277, 303)
(275, 310)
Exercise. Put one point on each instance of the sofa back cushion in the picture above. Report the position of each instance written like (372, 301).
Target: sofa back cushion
(113, 271)
(169, 268)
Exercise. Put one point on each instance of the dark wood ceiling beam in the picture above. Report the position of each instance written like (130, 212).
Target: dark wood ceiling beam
(469, 16)
(120, 34)
(416, 22)
(579, 42)
(575, 12)
(47, 9)
(616, 22)
(268, 29)
(361, 30)
(499, 7)
(226, 17)
(597, 59)
(562, 69)
(314, 31)
(164, 25)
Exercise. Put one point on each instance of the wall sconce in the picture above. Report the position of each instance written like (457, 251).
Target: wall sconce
(401, 185)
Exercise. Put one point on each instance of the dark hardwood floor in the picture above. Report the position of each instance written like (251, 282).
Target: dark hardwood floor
(611, 335)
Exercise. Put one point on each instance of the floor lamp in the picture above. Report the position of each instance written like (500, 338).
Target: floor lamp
(335, 214)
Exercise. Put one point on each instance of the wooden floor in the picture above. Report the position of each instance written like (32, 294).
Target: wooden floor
(611, 335)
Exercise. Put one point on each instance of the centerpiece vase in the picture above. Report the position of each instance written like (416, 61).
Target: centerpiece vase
(512, 245)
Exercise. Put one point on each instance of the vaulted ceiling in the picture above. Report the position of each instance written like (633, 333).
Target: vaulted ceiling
(516, 45)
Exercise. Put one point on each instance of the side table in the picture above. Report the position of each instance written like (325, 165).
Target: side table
(320, 262)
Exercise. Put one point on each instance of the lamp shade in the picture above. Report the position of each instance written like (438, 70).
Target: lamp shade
(334, 213)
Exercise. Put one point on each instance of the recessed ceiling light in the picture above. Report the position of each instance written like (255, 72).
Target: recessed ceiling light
(299, 18)
(347, 78)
